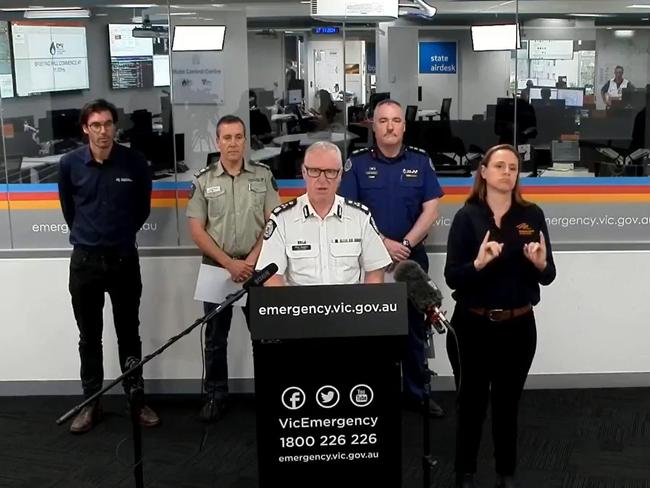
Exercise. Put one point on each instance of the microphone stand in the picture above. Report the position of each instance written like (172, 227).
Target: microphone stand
(135, 390)
(428, 461)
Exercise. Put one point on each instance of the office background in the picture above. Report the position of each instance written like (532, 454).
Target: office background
(294, 84)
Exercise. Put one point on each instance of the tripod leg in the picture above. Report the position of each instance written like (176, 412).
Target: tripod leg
(136, 400)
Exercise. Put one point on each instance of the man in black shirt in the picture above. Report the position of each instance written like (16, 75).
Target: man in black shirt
(105, 194)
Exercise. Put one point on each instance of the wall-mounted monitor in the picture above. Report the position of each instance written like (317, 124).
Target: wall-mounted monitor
(49, 57)
(6, 73)
(573, 97)
(548, 49)
(501, 37)
(199, 37)
(137, 62)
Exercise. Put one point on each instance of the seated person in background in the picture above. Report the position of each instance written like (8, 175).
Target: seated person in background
(613, 89)
(504, 121)
(260, 125)
(546, 96)
(326, 109)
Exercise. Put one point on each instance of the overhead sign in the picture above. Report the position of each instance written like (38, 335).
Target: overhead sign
(438, 57)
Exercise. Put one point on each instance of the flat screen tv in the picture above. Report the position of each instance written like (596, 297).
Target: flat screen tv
(49, 57)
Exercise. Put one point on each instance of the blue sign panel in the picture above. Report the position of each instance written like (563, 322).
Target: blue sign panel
(438, 57)
(325, 30)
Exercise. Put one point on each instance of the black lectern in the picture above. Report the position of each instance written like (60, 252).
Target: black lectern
(327, 384)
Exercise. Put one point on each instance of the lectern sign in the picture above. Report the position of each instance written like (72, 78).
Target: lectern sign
(328, 385)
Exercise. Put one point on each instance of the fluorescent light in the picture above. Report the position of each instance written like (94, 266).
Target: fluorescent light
(636, 5)
(57, 14)
(32, 7)
(131, 5)
(182, 13)
(590, 15)
(623, 33)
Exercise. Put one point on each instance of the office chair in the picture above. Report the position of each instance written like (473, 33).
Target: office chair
(212, 157)
(445, 109)
(411, 113)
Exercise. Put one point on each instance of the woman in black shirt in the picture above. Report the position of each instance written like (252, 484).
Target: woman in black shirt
(498, 253)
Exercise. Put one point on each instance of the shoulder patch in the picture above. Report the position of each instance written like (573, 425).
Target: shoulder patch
(261, 165)
(203, 170)
(191, 192)
(269, 229)
(374, 226)
(348, 165)
(285, 206)
(358, 205)
(274, 183)
(431, 165)
(417, 149)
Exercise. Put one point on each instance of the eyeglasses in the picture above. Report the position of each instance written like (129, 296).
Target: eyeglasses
(330, 174)
(97, 126)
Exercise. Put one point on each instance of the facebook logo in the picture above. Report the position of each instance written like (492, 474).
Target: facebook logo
(293, 398)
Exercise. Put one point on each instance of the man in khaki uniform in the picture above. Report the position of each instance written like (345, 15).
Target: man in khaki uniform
(230, 201)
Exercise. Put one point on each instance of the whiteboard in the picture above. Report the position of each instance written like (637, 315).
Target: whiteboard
(545, 49)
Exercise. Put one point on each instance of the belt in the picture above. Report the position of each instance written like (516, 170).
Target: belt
(500, 314)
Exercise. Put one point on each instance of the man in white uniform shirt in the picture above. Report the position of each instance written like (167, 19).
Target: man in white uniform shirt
(320, 238)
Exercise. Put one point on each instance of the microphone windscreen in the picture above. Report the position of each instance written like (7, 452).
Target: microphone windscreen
(259, 277)
(422, 293)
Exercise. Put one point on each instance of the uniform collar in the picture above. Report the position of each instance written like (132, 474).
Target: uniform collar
(89, 158)
(246, 167)
(307, 210)
(377, 154)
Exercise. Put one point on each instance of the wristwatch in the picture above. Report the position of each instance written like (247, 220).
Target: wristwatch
(407, 243)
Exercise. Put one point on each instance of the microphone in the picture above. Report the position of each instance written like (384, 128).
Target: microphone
(423, 293)
(259, 277)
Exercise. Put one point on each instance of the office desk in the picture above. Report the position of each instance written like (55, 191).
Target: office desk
(265, 153)
(308, 138)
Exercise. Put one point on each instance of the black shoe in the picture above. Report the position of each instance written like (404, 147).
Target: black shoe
(506, 482)
(465, 481)
(213, 409)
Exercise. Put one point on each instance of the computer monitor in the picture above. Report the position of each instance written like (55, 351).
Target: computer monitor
(634, 97)
(573, 97)
(294, 97)
(375, 98)
(536, 93)
(556, 104)
(45, 131)
(158, 149)
(65, 123)
(565, 151)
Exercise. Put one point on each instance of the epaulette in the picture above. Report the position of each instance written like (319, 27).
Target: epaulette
(358, 205)
(285, 206)
(360, 151)
(417, 149)
(203, 170)
(262, 165)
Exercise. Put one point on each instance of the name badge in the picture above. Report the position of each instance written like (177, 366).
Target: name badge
(301, 247)
(124, 180)
(212, 189)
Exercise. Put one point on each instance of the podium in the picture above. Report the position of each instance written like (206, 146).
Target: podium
(327, 384)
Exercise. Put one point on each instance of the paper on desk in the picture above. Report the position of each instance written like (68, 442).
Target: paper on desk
(214, 284)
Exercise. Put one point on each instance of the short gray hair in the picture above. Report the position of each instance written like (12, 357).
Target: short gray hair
(324, 146)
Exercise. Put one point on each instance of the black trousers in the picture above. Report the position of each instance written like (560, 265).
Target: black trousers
(216, 350)
(493, 364)
(413, 367)
(93, 272)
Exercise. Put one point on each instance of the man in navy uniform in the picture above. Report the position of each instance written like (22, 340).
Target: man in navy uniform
(105, 193)
(399, 186)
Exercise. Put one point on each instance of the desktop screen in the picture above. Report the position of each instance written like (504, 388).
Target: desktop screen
(137, 62)
(294, 96)
(573, 97)
(49, 57)
(6, 74)
(536, 93)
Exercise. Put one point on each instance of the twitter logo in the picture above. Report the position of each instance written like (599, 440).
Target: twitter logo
(327, 396)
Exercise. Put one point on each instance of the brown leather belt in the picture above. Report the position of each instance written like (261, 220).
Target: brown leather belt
(499, 314)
